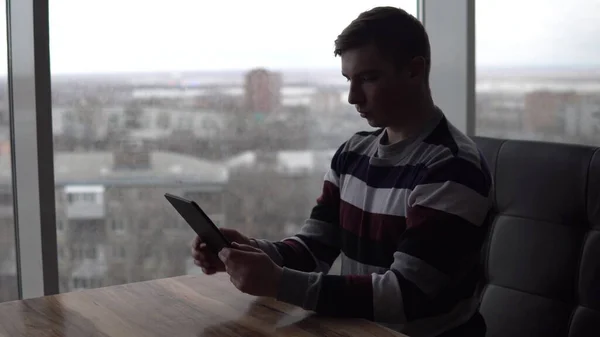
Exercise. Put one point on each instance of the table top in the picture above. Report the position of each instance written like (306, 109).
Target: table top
(179, 306)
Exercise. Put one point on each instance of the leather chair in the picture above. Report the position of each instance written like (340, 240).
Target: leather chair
(542, 257)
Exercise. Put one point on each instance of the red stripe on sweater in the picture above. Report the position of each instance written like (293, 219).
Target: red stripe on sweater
(303, 259)
(376, 227)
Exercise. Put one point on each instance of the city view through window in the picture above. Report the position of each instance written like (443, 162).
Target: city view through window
(538, 70)
(241, 110)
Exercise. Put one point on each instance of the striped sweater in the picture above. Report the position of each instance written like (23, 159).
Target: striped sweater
(408, 220)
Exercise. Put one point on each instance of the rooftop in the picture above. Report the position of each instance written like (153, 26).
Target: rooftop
(166, 168)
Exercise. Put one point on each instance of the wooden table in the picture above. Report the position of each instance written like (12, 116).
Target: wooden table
(180, 306)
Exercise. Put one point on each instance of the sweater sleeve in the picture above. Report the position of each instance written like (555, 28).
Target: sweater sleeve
(317, 245)
(446, 213)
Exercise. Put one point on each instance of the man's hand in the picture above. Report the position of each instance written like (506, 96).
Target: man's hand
(251, 270)
(209, 261)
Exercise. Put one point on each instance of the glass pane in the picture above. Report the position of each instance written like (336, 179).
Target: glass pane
(8, 263)
(538, 77)
(220, 101)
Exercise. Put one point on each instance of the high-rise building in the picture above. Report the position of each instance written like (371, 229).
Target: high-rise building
(327, 100)
(545, 111)
(262, 91)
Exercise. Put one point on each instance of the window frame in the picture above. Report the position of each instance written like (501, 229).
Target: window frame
(32, 154)
(452, 81)
(451, 28)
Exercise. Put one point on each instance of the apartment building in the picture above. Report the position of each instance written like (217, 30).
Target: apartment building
(113, 224)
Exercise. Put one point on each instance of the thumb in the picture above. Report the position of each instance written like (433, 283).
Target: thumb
(246, 248)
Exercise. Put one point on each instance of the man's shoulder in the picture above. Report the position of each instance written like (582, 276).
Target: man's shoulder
(446, 144)
(453, 157)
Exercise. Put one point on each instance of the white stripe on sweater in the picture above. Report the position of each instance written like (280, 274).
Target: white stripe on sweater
(452, 198)
(388, 201)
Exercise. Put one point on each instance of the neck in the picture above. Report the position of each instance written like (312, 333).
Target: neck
(418, 118)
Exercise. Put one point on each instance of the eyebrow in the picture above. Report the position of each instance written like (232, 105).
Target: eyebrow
(363, 72)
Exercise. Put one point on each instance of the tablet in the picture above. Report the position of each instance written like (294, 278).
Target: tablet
(199, 222)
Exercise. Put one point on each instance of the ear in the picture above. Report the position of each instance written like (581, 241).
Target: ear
(417, 67)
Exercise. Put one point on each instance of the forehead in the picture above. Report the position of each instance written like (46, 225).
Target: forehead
(365, 58)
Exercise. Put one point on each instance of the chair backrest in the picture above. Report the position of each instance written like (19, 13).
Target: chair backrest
(542, 258)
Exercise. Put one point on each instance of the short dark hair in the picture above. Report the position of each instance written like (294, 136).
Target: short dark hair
(396, 33)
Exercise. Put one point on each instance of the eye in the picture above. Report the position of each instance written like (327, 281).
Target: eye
(369, 78)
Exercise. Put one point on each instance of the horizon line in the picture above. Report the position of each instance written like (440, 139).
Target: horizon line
(480, 68)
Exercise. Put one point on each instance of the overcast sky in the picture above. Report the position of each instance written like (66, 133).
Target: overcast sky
(90, 36)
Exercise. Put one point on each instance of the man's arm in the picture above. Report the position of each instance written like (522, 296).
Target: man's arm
(445, 217)
(317, 246)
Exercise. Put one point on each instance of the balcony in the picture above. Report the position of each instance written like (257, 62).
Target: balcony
(85, 202)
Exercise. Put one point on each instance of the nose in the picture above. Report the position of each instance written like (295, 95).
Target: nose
(356, 94)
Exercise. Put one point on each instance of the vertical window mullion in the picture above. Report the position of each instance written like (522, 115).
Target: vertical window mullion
(32, 148)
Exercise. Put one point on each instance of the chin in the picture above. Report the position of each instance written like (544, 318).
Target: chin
(374, 123)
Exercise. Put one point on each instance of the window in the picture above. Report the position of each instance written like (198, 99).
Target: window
(272, 98)
(8, 261)
(134, 115)
(89, 197)
(90, 252)
(119, 251)
(118, 224)
(81, 197)
(163, 121)
(184, 123)
(83, 251)
(538, 77)
(113, 122)
(77, 283)
(76, 252)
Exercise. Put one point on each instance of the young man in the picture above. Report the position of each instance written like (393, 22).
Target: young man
(405, 205)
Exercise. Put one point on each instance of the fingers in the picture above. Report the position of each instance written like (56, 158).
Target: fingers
(202, 253)
(231, 254)
(207, 268)
(233, 267)
(195, 244)
(198, 246)
(240, 255)
(196, 241)
(225, 255)
(209, 271)
(210, 268)
(246, 248)
(234, 236)
(204, 258)
(196, 252)
(235, 281)
(227, 259)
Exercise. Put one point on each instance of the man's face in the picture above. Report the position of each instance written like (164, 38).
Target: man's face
(379, 89)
